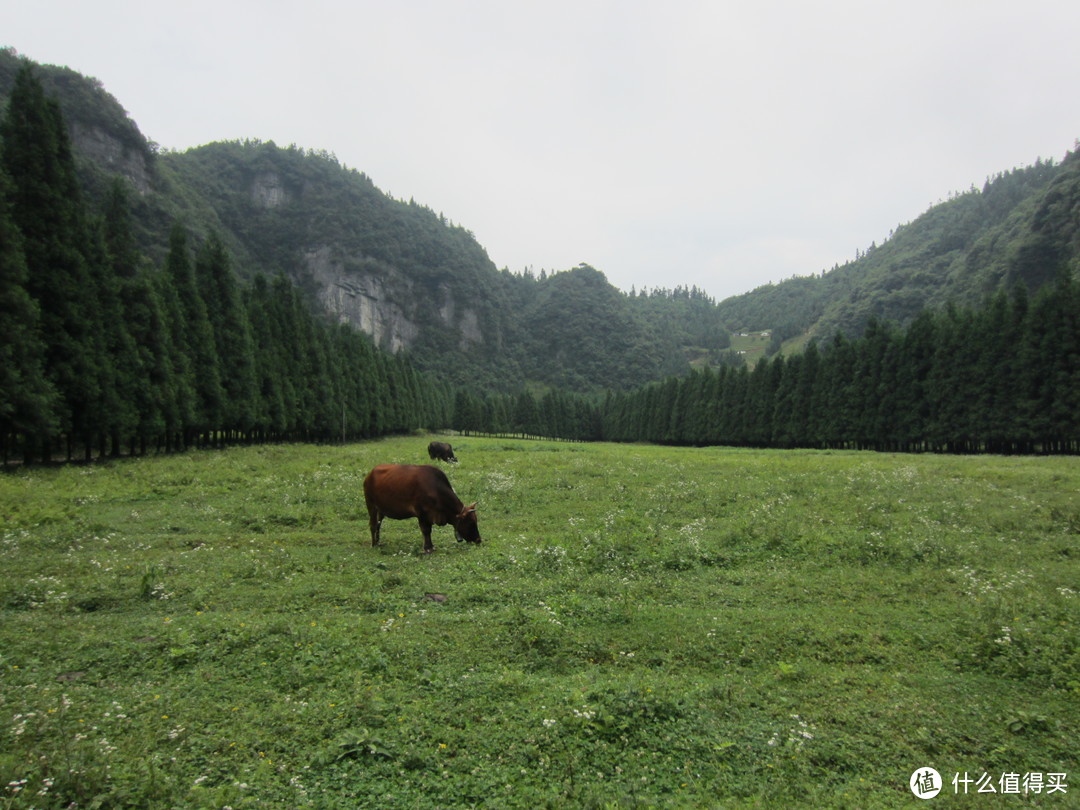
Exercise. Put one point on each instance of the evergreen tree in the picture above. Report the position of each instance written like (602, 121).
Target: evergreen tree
(870, 386)
(554, 417)
(728, 414)
(467, 412)
(360, 354)
(115, 264)
(526, 414)
(284, 319)
(195, 339)
(784, 415)
(1024, 372)
(994, 396)
(47, 210)
(27, 398)
(804, 421)
(951, 383)
(327, 378)
(1055, 330)
(270, 368)
(761, 400)
(180, 405)
(156, 390)
(231, 331)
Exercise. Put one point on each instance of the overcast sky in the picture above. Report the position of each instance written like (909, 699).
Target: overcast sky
(719, 144)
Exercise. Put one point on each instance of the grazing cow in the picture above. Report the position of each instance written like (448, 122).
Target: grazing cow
(441, 451)
(402, 491)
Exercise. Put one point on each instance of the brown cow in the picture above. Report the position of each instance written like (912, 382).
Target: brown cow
(441, 451)
(402, 491)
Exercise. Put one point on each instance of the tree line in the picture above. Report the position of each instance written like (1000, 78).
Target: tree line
(1003, 378)
(101, 352)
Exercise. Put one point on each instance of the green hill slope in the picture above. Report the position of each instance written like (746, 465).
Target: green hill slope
(422, 285)
(1023, 226)
(396, 270)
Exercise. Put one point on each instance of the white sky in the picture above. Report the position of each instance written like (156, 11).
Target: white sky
(718, 144)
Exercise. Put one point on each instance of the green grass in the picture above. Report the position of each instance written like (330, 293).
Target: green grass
(751, 345)
(642, 627)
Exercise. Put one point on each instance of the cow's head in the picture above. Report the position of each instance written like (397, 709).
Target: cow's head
(465, 526)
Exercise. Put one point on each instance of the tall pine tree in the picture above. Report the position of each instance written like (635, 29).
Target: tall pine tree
(146, 377)
(231, 331)
(194, 339)
(47, 209)
(27, 398)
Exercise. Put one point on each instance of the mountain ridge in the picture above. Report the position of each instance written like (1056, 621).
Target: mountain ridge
(424, 286)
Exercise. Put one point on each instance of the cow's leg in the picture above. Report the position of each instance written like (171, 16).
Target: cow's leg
(375, 521)
(425, 528)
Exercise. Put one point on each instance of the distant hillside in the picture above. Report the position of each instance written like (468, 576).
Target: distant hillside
(424, 286)
(394, 269)
(420, 284)
(1023, 226)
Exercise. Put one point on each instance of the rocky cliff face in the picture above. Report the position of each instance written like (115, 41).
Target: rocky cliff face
(111, 154)
(381, 301)
(363, 295)
(267, 190)
(371, 295)
(394, 270)
(467, 321)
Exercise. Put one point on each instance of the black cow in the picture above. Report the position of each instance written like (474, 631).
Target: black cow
(402, 491)
(441, 451)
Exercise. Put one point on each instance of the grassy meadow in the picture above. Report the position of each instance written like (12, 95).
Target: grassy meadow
(642, 627)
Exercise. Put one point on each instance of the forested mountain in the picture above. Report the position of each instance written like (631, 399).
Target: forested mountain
(102, 350)
(417, 283)
(229, 293)
(1021, 227)
(1001, 378)
(396, 270)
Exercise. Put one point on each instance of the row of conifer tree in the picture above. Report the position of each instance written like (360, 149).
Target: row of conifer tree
(102, 352)
(1003, 378)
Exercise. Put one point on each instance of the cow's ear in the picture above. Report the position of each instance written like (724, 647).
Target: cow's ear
(471, 508)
